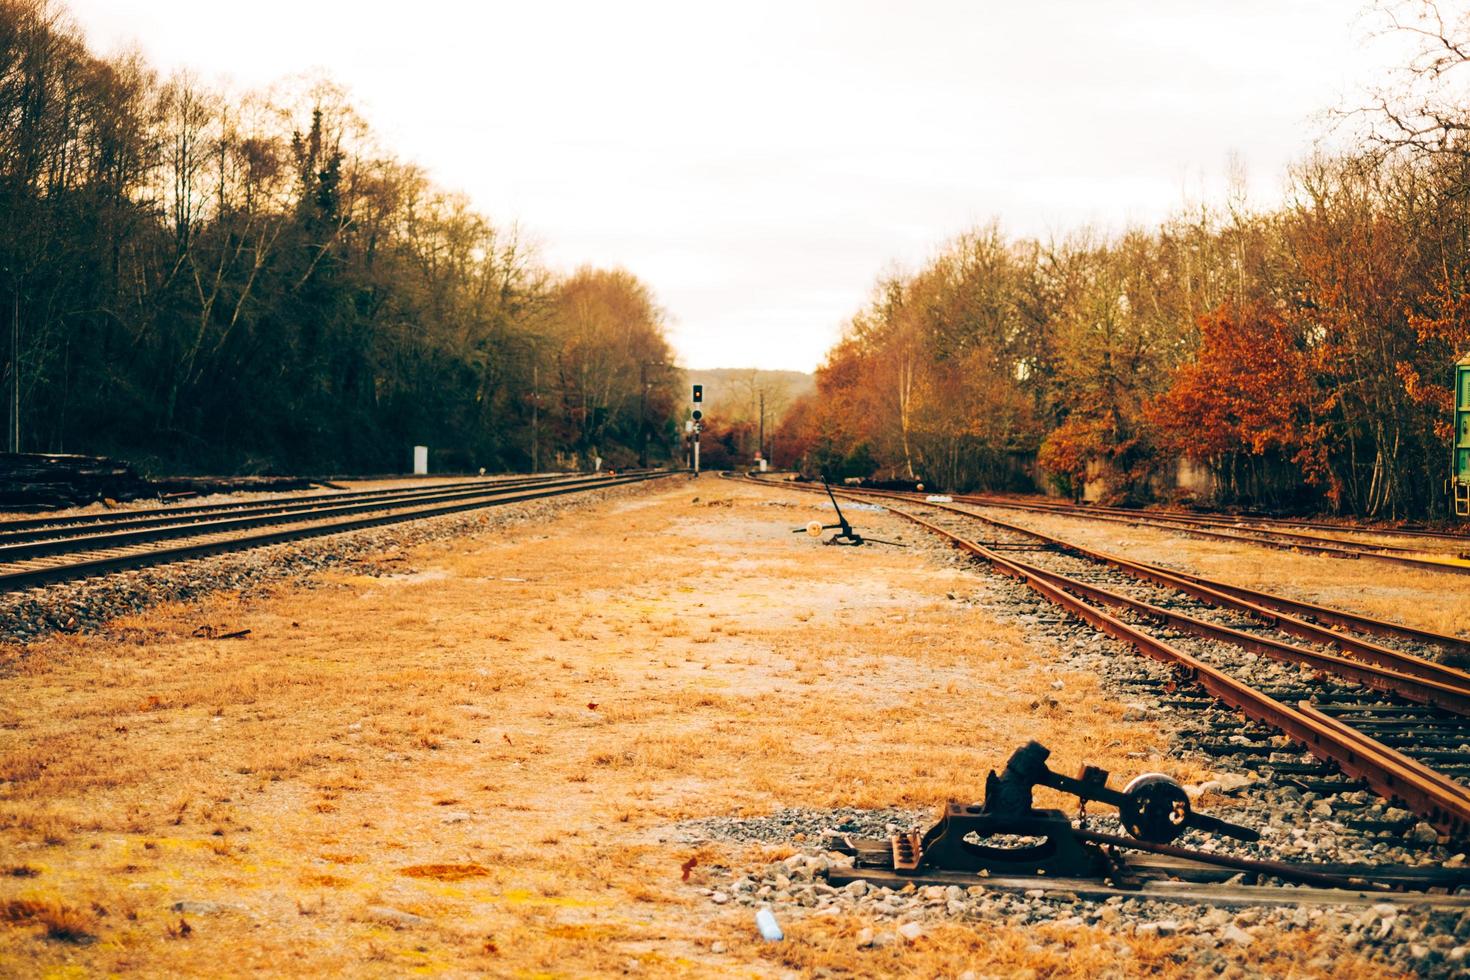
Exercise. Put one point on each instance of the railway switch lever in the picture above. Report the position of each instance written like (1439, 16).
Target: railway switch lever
(1154, 809)
(845, 534)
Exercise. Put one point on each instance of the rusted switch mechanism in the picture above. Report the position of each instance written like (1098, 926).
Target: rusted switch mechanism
(1027, 841)
(845, 534)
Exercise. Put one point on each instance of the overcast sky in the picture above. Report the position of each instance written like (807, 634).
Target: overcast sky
(759, 163)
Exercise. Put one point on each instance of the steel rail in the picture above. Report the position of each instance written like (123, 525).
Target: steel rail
(1390, 773)
(1348, 550)
(1292, 616)
(34, 528)
(1148, 518)
(1395, 661)
(1278, 611)
(1451, 691)
(1227, 520)
(86, 568)
(1276, 869)
(256, 517)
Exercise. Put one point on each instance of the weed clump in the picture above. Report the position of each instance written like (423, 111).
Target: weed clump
(61, 922)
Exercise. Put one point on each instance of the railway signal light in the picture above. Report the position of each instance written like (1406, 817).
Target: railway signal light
(698, 396)
(697, 415)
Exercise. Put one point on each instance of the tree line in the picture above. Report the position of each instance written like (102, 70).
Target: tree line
(1301, 354)
(205, 281)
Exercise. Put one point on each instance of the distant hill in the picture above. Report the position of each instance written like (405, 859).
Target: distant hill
(733, 393)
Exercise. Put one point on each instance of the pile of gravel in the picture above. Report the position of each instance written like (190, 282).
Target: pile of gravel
(798, 824)
(1421, 940)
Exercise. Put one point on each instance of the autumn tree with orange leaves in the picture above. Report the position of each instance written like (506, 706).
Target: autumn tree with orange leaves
(1244, 407)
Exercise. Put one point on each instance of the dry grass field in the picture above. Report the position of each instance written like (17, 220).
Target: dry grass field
(462, 760)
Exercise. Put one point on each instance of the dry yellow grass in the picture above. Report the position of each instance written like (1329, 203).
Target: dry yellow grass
(495, 737)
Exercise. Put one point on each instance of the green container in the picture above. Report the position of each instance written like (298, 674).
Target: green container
(1460, 464)
(1462, 421)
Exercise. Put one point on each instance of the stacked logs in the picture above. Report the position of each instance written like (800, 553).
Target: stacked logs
(38, 480)
(45, 481)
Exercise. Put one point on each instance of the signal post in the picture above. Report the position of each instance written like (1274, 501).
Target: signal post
(697, 398)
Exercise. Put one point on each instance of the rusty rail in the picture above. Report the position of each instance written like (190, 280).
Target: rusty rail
(1452, 694)
(1292, 541)
(379, 515)
(1286, 614)
(1218, 519)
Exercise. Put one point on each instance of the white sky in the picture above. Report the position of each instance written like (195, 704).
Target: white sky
(759, 163)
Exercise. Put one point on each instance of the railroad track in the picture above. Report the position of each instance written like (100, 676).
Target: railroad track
(42, 551)
(1218, 520)
(66, 525)
(1379, 712)
(1259, 533)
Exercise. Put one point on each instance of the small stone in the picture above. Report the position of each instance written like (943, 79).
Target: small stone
(719, 898)
(1057, 685)
(1423, 833)
(857, 889)
(1135, 711)
(1232, 782)
(911, 931)
(1455, 861)
(1238, 936)
(717, 948)
(202, 908)
(397, 918)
